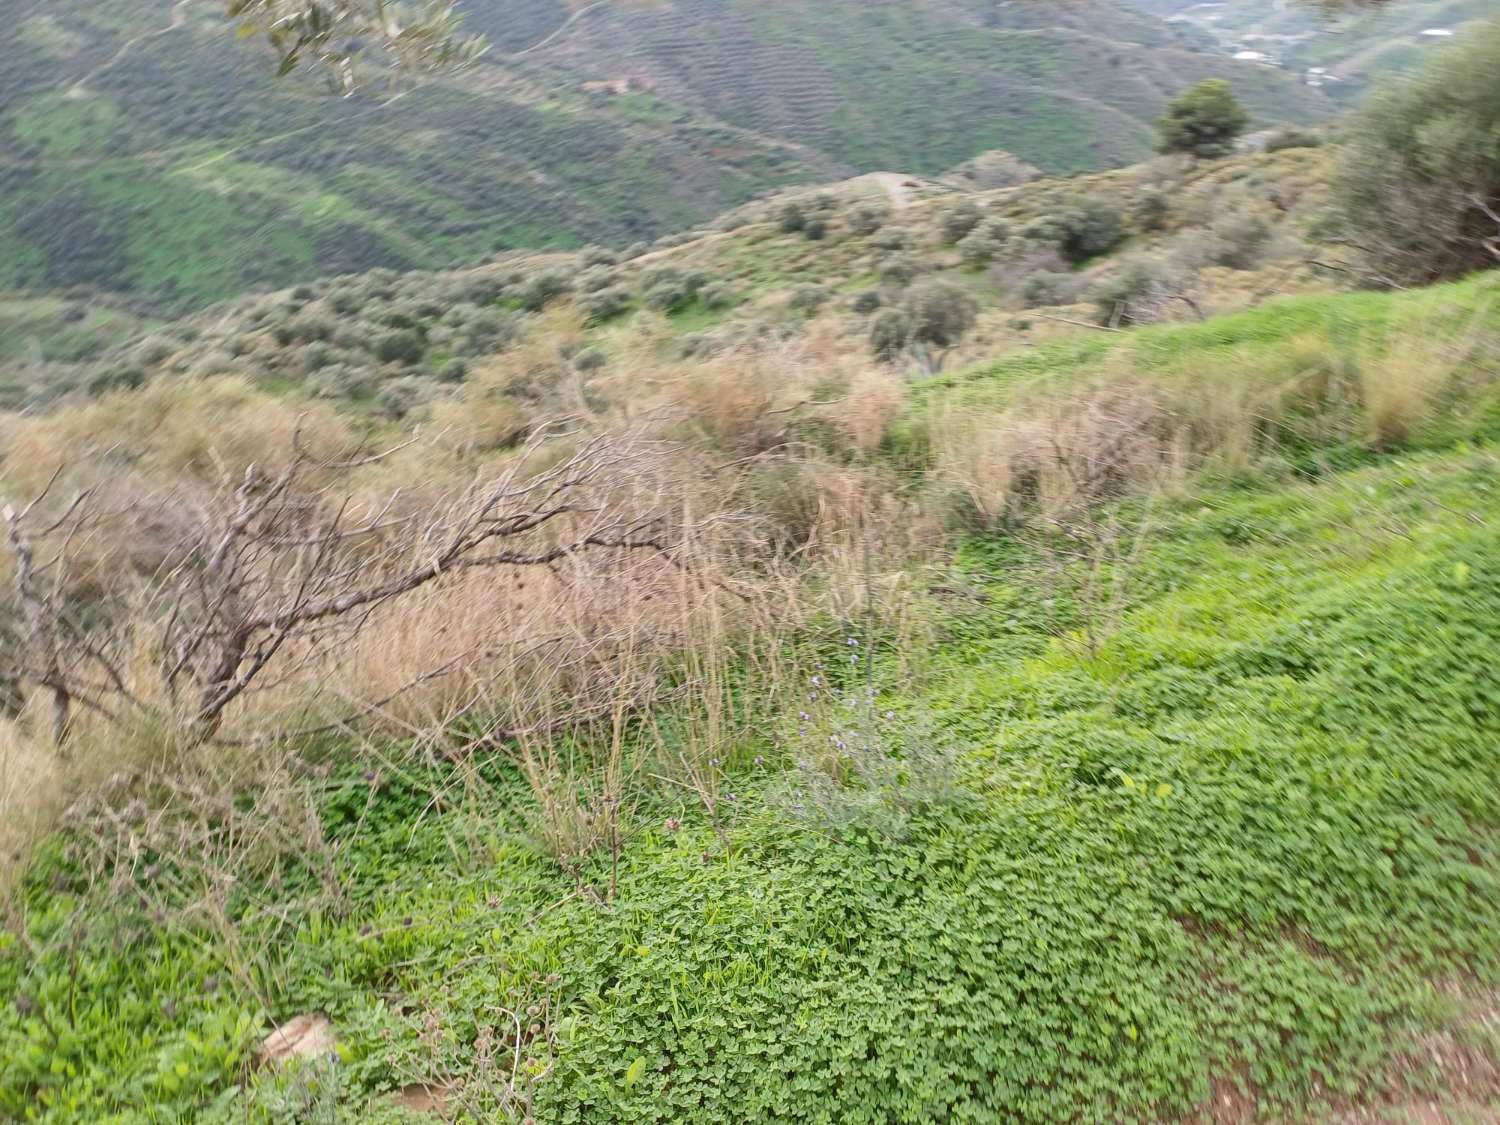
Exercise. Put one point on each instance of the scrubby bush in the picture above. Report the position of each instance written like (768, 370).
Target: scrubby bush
(1202, 121)
(957, 220)
(1417, 187)
(984, 243)
(668, 288)
(899, 269)
(807, 299)
(867, 218)
(718, 295)
(453, 370)
(1088, 228)
(154, 350)
(791, 218)
(1238, 238)
(815, 228)
(315, 356)
(942, 312)
(543, 288)
(343, 381)
(598, 256)
(866, 302)
(1289, 136)
(399, 345)
(590, 359)
(890, 239)
(345, 302)
(1138, 292)
(604, 304)
(399, 397)
(891, 333)
(1151, 209)
(1045, 287)
(596, 278)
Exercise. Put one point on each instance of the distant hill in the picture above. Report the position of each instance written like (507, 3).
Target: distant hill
(146, 152)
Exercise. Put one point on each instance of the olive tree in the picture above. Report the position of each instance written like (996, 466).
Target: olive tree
(333, 34)
(1203, 120)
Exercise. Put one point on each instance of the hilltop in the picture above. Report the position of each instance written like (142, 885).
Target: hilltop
(150, 153)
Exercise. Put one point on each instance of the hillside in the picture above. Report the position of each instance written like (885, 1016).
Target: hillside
(1212, 841)
(147, 152)
(1339, 51)
(1189, 240)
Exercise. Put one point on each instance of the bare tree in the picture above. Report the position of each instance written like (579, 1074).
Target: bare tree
(276, 572)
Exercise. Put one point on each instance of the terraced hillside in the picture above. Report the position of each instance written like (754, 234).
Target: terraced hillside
(146, 152)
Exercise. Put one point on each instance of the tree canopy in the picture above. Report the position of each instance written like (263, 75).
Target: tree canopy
(335, 34)
(1203, 120)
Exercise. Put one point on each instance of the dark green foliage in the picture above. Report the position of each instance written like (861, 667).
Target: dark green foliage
(807, 299)
(984, 243)
(1152, 207)
(1203, 121)
(1139, 291)
(1418, 182)
(590, 359)
(399, 345)
(957, 220)
(899, 268)
(1289, 136)
(669, 288)
(867, 218)
(792, 218)
(1087, 228)
(942, 312)
(542, 289)
(891, 333)
(453, 370)
(718, 295)
(604, 304)
(1047, 288)
(866, 301)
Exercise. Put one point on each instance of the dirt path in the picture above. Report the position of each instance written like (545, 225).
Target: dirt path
(895, 188)
(179, 18)
(561, 31)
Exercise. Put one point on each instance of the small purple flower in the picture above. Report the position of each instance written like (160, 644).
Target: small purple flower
(816, 681)
(759, 761)
(714, 762)
(804, 716)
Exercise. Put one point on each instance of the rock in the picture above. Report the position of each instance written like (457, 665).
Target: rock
(303, 1037)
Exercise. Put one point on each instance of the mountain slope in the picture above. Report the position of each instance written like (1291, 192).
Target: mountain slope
(147, 152)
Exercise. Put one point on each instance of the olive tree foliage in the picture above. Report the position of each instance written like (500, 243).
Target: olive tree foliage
(1417, 189)
(934, 316)
(334, 35)
(1203, 120)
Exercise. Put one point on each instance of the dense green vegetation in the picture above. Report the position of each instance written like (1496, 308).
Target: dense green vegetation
(1243, 847)
(147, 152)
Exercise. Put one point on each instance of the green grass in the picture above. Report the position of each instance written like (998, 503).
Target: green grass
(1252, 842)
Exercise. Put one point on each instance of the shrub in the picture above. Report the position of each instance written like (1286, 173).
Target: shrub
(1088, 228)
(1237, 239)
(807, 299)
(899, 269)
(1289, 136)
(590, 359)
(1045, 287)
(942, 312)
(717, 295)
(596, 278)
(1202, 121)
(604, 304)
(345, 302)
(866, 302)
(315, 356)
(1417, 187)
(1151, 209)
(958, 220)
(867, 218)
(984, 243)
(668, 288)
(343, 381)
(542, 289)
(399, 397)
(815, 228)
(891, 333)
(453, 370)
(791, 218)
(399, 345)
(1138, 292)
(598, 256)
(890, 239)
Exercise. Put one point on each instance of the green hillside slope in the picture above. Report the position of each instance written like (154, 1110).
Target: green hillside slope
(146, 151)
(1232, 860)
